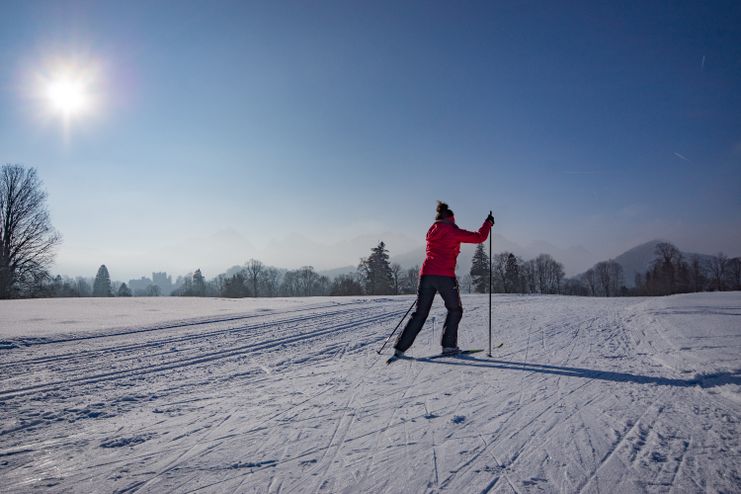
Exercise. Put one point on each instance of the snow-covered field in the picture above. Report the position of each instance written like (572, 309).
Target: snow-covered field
(186, 395)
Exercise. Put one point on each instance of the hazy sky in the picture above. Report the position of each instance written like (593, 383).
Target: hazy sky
(218, 131)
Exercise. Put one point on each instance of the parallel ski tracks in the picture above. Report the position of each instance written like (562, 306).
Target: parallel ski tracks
(148, 350)
(173, 339)
(122, 331)
(201, 358)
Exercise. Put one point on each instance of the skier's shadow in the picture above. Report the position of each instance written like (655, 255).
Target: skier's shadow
(703, 381)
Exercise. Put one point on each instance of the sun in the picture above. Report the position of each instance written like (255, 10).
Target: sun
(68, 89)
(67, 95)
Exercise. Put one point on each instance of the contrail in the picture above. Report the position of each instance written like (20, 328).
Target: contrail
(682, 157)
(702, 64)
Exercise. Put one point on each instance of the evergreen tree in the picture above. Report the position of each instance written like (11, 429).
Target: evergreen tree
(511, 275)
(236, 286)
(124, 291)
(480, 270)
(199, 284)
(102, 283)
(375, 271)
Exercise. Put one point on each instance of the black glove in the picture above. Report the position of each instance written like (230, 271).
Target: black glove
(490, 219)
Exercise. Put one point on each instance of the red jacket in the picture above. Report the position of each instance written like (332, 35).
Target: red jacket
(444, 240)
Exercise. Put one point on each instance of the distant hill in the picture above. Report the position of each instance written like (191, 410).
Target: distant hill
(639, 258)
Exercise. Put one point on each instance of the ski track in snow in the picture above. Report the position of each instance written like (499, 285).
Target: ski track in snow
(586, 396)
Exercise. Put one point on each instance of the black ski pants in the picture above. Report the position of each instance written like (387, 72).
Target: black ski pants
(428, 287)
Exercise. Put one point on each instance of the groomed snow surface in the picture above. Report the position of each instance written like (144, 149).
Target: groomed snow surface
(206, 395)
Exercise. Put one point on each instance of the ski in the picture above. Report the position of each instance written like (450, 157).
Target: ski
(394, 358)
(462, 352)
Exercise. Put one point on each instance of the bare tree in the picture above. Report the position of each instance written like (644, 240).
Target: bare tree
(269, 281)
(609, 278)
(697, 277)
(529, 273)
(254, 269)
(346, 284)
(396, 274)
(548, 274)
(666, 252)
(556, 276)
(499, 262)
(466, 283)
(602, 272)
(718, 266)
(734, 273)
(307, 281)
(590, 281)
(665, 265)
(27, 238)
(411, 280)
(289, 287)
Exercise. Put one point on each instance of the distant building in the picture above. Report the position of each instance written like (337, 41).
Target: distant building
(164, 282)
(143, 286)
(139, 286)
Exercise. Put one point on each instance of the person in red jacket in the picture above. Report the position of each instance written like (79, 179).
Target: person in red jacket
(444, 240)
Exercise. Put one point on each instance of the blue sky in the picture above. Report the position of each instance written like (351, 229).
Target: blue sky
(275, 127)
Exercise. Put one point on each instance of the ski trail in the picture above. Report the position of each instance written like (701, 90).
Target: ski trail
(202, 335)
(125, 331)
(179, 363)
(582, 403)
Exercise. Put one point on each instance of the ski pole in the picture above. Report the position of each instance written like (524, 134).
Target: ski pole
(433, 328)
(490, 235)
(397, 326)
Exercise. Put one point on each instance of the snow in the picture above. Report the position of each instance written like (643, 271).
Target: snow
(41, 318)
(289, 395)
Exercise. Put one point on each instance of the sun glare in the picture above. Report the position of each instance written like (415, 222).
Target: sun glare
(67, 96)
(67, 89)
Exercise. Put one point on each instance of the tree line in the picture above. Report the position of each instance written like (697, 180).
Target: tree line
(28, 240)
(374, 275)
(671, 272)
(512, 274)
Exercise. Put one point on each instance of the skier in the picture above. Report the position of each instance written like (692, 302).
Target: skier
(444, 240)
